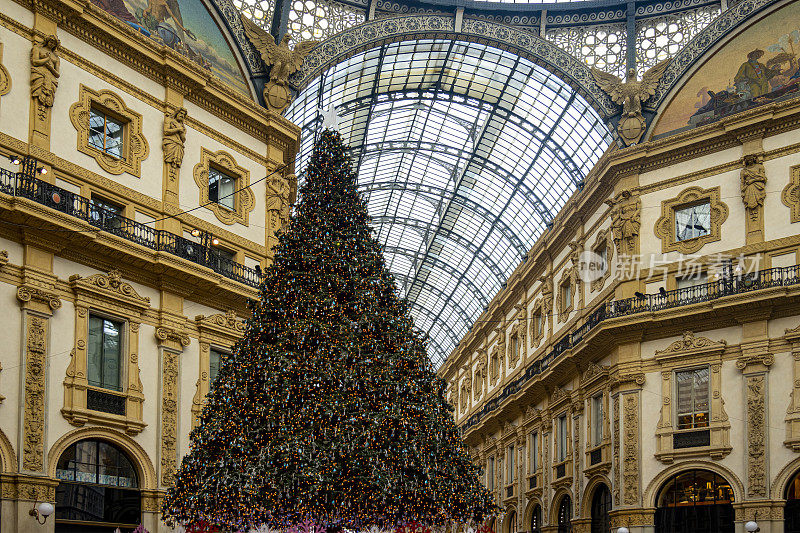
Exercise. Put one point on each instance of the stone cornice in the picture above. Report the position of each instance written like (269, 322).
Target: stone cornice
(110, 287)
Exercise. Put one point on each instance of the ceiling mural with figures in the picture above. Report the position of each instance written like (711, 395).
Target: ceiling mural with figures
(187, 27)
(759, 66)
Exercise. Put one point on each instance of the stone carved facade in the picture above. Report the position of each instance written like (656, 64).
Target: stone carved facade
(45, 71)
(172, 144)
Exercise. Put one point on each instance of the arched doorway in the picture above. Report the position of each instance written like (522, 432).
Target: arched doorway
(565, 515)
(695, 501)
(536, 519)
(791, 513)
(512, 522)
(601, 506)
(99, 489)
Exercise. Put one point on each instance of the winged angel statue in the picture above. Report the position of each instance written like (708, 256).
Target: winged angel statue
(630, 94)
(284, 62)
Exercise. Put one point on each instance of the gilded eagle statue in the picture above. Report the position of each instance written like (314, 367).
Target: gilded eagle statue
(284, 62)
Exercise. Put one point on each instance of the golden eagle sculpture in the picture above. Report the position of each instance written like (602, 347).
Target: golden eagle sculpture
(630, 94)
(283, 62)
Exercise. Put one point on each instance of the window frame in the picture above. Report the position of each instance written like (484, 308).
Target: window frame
(708, 414)
(214, 169)
(107, 115)
(597, 417)
(123, 326)
(244, 200)
(680, 208)
(666, 226)
(562, 446)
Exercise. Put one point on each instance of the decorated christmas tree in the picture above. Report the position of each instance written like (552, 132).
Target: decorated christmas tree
(328, 410)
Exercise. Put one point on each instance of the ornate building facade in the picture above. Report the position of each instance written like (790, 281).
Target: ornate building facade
(639, 369)
(141, 185)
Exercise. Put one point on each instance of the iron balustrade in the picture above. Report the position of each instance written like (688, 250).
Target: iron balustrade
(105, 402)
(28, 186)
(727, 285)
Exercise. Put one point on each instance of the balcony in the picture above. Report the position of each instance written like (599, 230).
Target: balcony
(26, 185)
(728, 285)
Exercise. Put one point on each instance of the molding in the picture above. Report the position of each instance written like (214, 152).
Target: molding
(108, 294)
(134, 144)
(5, 77)
(690, 345)
(141, 461)
(790, 196)
(665, 225)
(244, 198)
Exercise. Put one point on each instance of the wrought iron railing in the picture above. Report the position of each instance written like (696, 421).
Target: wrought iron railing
(726, 285)
(25, 185)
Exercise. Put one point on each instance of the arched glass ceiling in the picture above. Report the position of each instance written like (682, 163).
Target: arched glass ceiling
(464, 152)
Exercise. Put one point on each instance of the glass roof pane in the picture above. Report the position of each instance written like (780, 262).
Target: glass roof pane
(464, 152)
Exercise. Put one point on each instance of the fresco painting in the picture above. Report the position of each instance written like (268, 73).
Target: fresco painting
(187, 27)
(757, 67)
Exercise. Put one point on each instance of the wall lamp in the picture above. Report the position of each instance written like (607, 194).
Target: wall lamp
(43, 509)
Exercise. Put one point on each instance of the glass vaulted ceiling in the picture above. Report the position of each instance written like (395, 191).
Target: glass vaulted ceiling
(464, 152)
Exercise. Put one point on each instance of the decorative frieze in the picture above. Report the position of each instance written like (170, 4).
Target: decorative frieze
(169, 416)
(631, 452)
(34, 414)
(756, 436)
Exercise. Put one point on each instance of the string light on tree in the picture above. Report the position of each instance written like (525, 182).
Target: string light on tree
(327, 414)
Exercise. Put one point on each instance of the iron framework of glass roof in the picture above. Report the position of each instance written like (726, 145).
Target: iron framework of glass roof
(464, 152)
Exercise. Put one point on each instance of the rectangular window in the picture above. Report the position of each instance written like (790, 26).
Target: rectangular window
(104, 214)
(602, 255)
(562, 438)
(533, 452)
(515, 347)
(597, 420)
(490, 473)
(566, 295)
(214, 360)
(537, 322)
(106, 133)
(692, 394)
(104, 358)
(221, 188)
(510, 465)
(692, 221)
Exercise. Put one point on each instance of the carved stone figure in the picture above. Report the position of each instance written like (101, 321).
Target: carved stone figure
(45, 71)
(753, 181)
(284, 62)
(625, 221)
(174, 139)
(630, 94)
(547, 294)
(281, 195)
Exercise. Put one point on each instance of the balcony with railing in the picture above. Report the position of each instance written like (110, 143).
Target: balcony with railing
(727, 285)
(26, 185)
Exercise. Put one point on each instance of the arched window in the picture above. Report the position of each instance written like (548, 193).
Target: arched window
(791, 514)
(696, 501)
(99, 489)
(536, 519)
(565, 515)
(512, 522)
(601, 506)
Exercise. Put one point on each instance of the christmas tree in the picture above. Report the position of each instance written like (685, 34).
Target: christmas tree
(328, 410)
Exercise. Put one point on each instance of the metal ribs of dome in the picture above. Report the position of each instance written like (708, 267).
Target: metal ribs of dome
(464, 152)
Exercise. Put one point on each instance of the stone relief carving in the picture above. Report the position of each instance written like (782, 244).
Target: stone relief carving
(753, 187)
(111, 281)
(172, 145)
(5, 77)
(35, 362)
(169, 417)
(45, 71)
(756, 437)
(616, 453)
(281, 196)
(631, 449)
(790, 195)
(626, 213)
(689, 342)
